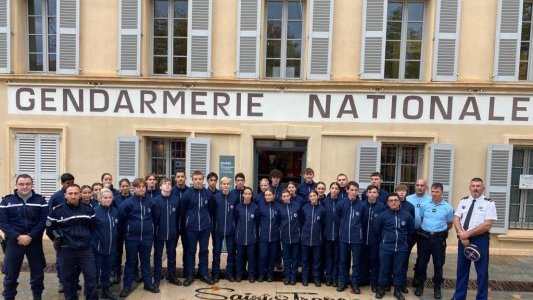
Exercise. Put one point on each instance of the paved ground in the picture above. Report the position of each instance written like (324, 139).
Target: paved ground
(511, 278)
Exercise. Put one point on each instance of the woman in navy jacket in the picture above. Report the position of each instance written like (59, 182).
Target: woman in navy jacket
(269, 220)
(312, 224)
(290, 230)
(394, 226)
(104, 240)
(331, 234)
(246, 216)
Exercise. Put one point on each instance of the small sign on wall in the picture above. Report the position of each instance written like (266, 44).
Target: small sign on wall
(226, 166)
(526, 182)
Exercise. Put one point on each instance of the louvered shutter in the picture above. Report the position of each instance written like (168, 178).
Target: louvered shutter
(127, 160)
(129, 52)
(199, 58)
(373, 39)
(498, 183)
(198, 156)
(441, 167)
(38, 156)
(368, 159)
(446, 40)
(5, 37)
(249, 16)
(320, 39)
(48, 164)
(68, 12)
(507, 40)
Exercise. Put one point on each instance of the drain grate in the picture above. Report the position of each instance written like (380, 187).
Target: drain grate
(500, 286)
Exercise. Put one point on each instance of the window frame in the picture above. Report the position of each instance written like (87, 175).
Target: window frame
(45, 36)
(283, 51)
(167, 142)
(529, 69)
(400, 148)
(526, 169)
(170, 44)
(403, 41)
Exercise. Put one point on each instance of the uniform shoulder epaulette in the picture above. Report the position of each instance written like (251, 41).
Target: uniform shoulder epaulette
(7, 196)
(488, 199)
(465, 197)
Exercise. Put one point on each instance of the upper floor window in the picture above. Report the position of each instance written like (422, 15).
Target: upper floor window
(525, 68)
(403, 50)
(42, 43)
(284, 31)
(400, 163)
(170, 21)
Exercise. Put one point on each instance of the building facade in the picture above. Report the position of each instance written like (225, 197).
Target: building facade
(437, 89)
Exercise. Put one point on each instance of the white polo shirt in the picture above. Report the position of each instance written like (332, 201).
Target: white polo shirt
(484, 209)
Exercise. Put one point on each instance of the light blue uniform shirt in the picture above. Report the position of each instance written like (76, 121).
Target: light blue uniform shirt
(435, 217)
(417, 203)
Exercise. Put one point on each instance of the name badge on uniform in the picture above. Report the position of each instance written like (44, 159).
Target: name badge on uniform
(418, 205)
(434, 210)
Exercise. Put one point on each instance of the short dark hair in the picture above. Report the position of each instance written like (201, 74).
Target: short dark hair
(371, 187)
(23, 176)
(66, 177)
(138, 181)
(73, 185)
(197, 173)
(352, 183)
(437, 185)
(124, 180)
(104, 174)
(276, 173)
(309, 171)
(376, 174)
(212, 174)
(477, 179)
(393, 195)
(95, 184)
(240, 175)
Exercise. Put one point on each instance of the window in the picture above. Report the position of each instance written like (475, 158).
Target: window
(403, 51)
(524, 72)
(170, 37)
(521, 204)
(400, 164)
(166, 156)
(284, 25)
(42, 43)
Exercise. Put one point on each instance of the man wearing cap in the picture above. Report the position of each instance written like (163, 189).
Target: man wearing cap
(473, 220)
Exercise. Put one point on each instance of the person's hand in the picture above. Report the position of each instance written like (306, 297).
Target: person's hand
(464, 235)
(465, 242)
(24, 240)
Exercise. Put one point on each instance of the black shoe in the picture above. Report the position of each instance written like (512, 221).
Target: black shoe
(230, 278)
(238, 278)
(138, 278)
(380, 292)
(260, 279)
(388, 288)
(317, 282)
(415, 282)
(293, 282)
(115, 279)
(152, 289)
(304, 282)
(251, 279)
(156, 284)
(286, 282)
(79, 287)
(419, 290)
(207, 280)
(61, 288)
(216, 277)
(356, 289)
(374, 289)
(279, 267)
(437, 293)
(405, 290)
(341, 287)
(328, 283)
(37, 297)
(174, 280)
(106, 294)
(188, 281)
(269, 278)
(125, 292)
(335, 283)
(398, 293)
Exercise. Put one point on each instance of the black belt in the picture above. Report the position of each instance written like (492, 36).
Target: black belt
(435, 235)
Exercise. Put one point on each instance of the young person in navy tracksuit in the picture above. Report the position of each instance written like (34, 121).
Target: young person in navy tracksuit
(166, 232)
(124, 194)
(246, 217)
(87, 196)
(104, 240)
(308, 185)
(394, 226)
(353, 215)
(263, 186)
(312, 224)
(290, 230)
(269, 222)
(292, 187)
(224, 230)
(152, 190)
(331, 235)
(370, 261)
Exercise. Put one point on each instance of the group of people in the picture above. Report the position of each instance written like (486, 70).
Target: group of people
(341, 238)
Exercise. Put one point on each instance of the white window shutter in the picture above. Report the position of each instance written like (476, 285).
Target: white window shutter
(38, 156)
(498, 183)
(68, 40)
(373, 39)
(127, 160)
(199, 58)
(441, 167)
(48, 164)
(248, 23)
(446, 40)
(319, 65)
(508, 27)
(198, 157)
(5, 37)
(368, 160)
(129, 51)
